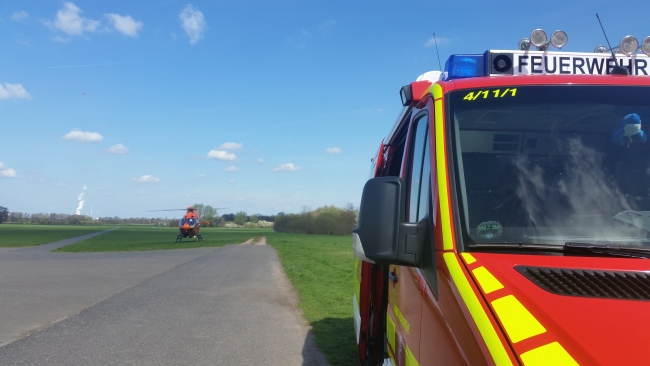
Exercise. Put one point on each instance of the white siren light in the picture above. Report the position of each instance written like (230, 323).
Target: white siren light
(538, 38)
(524, 44)
(601, 49)
(559, 39)
(645, 46)
(629, 45)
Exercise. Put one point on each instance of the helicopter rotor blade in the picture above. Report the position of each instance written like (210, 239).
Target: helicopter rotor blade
(173, 209)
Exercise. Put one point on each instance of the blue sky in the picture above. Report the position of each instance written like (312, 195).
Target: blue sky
(257, 106)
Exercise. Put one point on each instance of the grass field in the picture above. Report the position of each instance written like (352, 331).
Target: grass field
(18, 235)
(321, 269)
(131, 238)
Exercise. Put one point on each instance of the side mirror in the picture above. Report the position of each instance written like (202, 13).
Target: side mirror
(382, 235)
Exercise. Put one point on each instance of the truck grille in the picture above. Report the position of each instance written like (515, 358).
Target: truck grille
(622, 285)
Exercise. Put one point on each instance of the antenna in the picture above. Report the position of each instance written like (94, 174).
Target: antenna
(616, 70)
(437, 53)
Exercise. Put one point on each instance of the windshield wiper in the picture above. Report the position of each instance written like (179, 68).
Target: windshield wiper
(509, 246)
(614, 250)
(570, 248)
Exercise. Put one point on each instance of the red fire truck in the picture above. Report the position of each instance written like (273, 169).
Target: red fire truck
(507, 219)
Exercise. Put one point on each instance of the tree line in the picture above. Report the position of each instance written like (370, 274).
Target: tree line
(326, 220)
(208, 216)
(66, 219)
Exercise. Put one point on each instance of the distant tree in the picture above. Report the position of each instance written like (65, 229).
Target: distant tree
(240, 218)
(327, 220)
(4, 214)
(208, 213)
(200, 207)
(266, 218)
(254, 219)
(228, 217)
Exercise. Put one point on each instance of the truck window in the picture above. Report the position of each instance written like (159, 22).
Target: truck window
(419, 191)
(415, 173)
(552, 164)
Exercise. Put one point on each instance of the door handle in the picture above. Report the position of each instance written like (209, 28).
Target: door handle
(392, 276)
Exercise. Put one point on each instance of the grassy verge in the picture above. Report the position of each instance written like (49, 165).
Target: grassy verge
(18, 235)
(149, 238)
(320, 268)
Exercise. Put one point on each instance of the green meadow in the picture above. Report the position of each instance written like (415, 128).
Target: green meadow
(321, 269)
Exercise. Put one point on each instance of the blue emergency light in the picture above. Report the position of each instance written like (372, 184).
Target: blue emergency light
(470, 66)
(464, 66)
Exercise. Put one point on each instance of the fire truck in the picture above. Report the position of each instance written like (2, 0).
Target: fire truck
(507, 217)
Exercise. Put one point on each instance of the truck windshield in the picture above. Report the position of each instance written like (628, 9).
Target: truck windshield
(552, 164)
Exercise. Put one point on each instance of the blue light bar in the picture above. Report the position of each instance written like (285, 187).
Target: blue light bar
(464, 66)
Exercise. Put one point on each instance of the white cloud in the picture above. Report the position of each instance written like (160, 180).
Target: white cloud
(193, 23)
(221, 155)
(146, 179)
(118, 149)
(231, 181)
(231, 168)
(6, 172)
(325, 26)
(261, 161)
(60, 39)
(19, 16)
(13, 91)
(288, 167)
(70, 22)
(442, 41)
(125, 24)
(82, 136)
(231, 146)
(333, 150)
(200, 176)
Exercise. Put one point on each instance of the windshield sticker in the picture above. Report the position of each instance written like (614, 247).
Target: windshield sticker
(486, 94)
(489, 230)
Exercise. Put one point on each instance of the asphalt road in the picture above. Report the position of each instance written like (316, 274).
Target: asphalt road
(207, 306)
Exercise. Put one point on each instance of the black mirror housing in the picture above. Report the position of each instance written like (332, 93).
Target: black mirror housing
(384, 235)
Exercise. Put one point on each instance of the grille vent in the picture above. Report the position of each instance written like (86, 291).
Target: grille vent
(624, 285)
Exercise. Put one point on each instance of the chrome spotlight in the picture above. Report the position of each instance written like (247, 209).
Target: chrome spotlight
(538, 38)
(645, 46)
(629, 45)
(601, 49)
(559, 39)
(524, 44)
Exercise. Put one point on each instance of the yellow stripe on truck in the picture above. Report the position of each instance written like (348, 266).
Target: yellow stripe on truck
(469, 259)
(489, 334)
(519, 323)
(549, 354)
(441, 169)
(410, 360)
(487, 281)
(390, 332)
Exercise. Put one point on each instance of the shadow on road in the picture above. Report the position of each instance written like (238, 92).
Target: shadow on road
(335, 338)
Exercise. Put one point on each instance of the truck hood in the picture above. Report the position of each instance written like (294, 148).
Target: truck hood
(596, 308)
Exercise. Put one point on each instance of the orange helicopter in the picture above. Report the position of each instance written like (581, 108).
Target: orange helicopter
(189, 225)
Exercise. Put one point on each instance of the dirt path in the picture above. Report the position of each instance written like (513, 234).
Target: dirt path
(258, 240)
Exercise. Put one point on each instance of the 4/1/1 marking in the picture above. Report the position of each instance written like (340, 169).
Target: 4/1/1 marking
(496, 93)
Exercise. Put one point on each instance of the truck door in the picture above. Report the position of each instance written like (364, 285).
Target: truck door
(405, 283)
(438, 345)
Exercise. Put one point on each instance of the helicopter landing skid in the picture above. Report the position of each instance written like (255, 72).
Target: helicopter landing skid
(179, 238)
